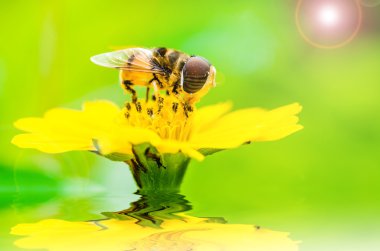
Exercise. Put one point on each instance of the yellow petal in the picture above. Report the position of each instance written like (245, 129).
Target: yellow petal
(278, 133)
(204, 116)
(52, 144)
(62, 130)
(187, 233)
(246, 125)
(192, 153)
(30, 124)
(120, 139)
(171, 146)
(104, 107)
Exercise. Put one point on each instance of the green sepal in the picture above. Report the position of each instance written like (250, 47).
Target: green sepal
(153, 170)
(209, 151)
(118, 156)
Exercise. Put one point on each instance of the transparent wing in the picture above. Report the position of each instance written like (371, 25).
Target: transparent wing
(132, 59)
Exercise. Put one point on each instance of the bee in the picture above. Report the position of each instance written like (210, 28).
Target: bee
(169, 70)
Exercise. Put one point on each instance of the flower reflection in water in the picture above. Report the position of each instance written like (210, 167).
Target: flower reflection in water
(153, 208)
(155, 222)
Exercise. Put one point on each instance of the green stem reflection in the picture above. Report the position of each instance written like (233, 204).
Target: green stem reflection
(153, 208)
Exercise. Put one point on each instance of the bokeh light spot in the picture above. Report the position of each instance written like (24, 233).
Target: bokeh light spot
(329, 15)
(328, 23)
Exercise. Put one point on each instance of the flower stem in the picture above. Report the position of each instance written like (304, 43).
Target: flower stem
(154, 171)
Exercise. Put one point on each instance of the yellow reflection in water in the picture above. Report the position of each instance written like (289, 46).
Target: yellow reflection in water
(185, 234)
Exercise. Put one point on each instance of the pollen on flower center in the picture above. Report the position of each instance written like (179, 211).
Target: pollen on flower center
(167, 115)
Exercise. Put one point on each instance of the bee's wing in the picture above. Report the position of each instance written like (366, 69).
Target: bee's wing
(132, 59)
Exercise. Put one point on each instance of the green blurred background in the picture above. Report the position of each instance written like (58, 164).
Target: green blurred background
(322, 184)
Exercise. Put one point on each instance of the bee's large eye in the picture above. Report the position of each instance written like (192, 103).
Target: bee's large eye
(194, 74)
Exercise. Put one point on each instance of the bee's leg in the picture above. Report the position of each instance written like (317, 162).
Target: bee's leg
(158, 82)
(177, 92)
(128, 88)
(156, 89)
(147, 94)
(176, 87)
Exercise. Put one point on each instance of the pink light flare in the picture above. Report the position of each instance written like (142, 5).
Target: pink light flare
(329, 16)
(328, 23)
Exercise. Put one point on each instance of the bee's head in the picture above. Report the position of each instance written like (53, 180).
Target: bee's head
(196, 72)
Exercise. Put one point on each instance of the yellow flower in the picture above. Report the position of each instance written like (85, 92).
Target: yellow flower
(164, 124)
(160, 134)
(189, 233)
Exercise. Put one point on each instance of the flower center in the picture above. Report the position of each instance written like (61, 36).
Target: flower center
(167, 115)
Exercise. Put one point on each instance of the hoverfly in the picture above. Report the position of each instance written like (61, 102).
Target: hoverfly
(161, 69)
